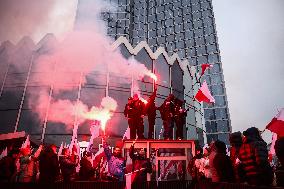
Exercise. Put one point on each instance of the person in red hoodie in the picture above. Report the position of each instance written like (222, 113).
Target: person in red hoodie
(253, 155)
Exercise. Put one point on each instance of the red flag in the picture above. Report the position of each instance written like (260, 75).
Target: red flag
(203, 94)
(277, 124)
(204, 68)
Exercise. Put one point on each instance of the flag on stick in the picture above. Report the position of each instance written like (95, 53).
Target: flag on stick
(95, 131)
(126, 134)
(204, 68)
(203, 94)
(27, 142)
(4, 153)
(60, 149)
(277, 124)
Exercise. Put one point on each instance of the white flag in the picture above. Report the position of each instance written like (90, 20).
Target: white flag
(27, 142)
(4, 153)
(126, 134)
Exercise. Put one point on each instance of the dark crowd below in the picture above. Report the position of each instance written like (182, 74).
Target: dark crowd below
(249, 165)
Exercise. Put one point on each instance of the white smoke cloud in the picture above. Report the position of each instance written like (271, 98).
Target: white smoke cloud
(35, 18)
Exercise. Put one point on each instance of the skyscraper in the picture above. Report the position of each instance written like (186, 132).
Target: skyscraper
(186, 27)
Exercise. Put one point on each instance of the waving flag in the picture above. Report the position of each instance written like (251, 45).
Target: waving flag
(203, 94)
(277, 124)
(204, 68)
(27, 142)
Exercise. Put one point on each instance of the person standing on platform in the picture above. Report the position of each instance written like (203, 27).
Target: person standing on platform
(134, 112)
(179, 118)
(167, 114)
(150, 110)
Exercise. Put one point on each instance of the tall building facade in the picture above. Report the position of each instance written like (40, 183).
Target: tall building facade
(186, 27)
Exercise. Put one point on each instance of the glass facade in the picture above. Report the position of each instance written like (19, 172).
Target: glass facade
(21, 81)
(185, 27)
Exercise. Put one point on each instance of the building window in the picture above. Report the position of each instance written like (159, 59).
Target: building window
(209, 114)
(220, 101)
(213, 58)
(210, 126)
(216, 79)
(221, 113)
(199, 41)
(210, 39)
(211, 48)
(217, 89)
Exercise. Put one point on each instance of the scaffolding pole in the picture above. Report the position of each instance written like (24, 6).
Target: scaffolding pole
(75, 128)
(4, 79)
(48, 106)
(24, 94)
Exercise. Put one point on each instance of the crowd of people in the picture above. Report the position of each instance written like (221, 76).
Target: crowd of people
(171, 110)
(248, 161)
(46, 166)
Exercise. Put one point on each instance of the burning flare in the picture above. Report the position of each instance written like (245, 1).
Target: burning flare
(143, 100)
(152, 75)
(103, 113)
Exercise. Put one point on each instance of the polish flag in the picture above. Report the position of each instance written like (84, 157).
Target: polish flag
(203, 94)
(277, 124)
(204, 68)
(126, 134)
(27, 142)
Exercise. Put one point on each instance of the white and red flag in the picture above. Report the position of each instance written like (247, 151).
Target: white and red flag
(276, 125)
(126, 134)
(204, 68)
(203, 94)
(27, 142)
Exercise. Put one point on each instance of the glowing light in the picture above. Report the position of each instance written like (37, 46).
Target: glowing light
(153, 76)
(143, 100)
(103, 113)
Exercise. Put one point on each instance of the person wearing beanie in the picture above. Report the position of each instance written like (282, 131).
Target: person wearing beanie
(236, 142)
(87, 171)
(222, 164)
(253, 155)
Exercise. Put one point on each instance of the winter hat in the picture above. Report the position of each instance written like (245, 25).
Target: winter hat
(253, 131)
(236, 138)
